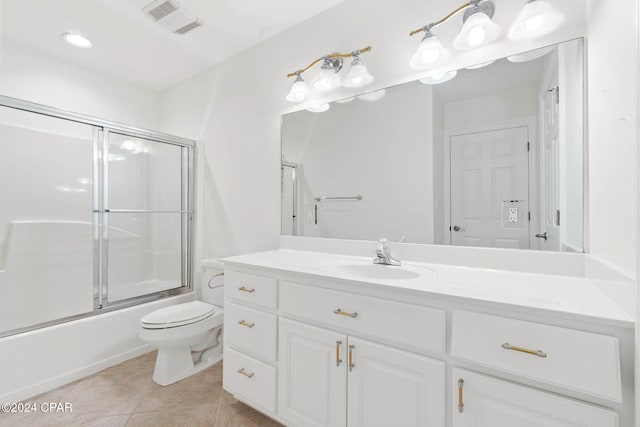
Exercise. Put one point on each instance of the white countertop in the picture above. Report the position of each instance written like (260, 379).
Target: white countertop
(556, 293)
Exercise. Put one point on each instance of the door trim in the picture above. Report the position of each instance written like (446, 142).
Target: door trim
(530, 123)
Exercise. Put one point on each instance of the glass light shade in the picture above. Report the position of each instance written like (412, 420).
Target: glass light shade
(439, 77)
(77, 40)
(319, 108)
(299, 91)
(429, 52)
(358, 75)
(373, 96)
(531, 55)
(478, 30)
(326, 80)
(480, 65)
(536, 19)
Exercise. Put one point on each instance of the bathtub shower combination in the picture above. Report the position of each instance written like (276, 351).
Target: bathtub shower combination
(95, 216)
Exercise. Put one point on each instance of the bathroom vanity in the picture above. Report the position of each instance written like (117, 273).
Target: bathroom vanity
(319, 339)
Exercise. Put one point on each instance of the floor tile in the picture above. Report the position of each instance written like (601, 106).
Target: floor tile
(233, 413)
(198, 416)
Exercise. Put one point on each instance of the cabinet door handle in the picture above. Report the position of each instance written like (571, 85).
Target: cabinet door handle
(538, 353)
(460, 395)
(351, 365)
(247, 374)
(247, 290)
(247, 324)
(338, 360)
(345, 313)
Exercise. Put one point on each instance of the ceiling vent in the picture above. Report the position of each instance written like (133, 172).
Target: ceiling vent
(169, 15)
(161, 8)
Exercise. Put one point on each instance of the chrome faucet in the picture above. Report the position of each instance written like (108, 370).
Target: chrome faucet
(384, 254)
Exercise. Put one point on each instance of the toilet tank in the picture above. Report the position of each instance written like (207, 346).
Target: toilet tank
(212, 283)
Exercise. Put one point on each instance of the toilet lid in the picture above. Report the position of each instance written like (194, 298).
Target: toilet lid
(178, 315)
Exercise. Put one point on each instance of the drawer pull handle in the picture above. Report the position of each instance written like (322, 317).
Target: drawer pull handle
(247, 324)
(538, 353)
(338, 360)
(345, 313)
(460, 396)
(241, 371)
(247, 290)
(351, 365)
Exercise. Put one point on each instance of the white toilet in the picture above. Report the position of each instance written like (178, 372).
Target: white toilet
(188, 335)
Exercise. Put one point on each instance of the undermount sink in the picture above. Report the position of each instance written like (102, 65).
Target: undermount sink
(382, 272)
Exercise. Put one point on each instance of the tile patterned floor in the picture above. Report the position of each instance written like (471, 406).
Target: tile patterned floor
(125, 395)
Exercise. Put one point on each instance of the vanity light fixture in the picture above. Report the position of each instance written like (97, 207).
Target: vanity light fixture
(328, 78)
(438, 77)
(319, 108)
(477, 30)
(76, 40)
(536, 19)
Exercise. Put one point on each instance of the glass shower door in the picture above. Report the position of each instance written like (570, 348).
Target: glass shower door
(146, 217)
(46, 221)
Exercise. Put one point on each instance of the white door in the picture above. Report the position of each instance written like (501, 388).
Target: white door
(389, 387)
(550, 167)
(312, 386)
(482, 401)
(490, 189)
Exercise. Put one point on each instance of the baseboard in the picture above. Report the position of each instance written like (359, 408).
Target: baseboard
(53, 383)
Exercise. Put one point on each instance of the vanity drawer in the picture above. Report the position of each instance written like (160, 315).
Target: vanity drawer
(412, 326)
(580, 361)
(250, 379)
(251, 330)
(251, 288)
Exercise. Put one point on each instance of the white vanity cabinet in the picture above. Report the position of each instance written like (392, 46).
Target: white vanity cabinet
(483, 401)
(318, 351)
(336, 380)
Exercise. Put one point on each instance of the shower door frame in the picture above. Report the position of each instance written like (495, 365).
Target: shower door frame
(101, 131)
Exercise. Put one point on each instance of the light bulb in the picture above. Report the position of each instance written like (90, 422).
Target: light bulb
(299, 91)
(428, 53)
(478, 30)
(358, 75)
(534, 23)
(537, 18)
(476, 36)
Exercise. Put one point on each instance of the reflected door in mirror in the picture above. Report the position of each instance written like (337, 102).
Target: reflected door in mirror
(490, 189)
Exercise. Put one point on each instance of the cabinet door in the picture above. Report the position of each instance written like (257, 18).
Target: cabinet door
(390, 387)
(481, 401)
(312, 386)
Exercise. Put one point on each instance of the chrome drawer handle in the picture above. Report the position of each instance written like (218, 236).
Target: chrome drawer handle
(247, 324)
(345, 313)
(538, 353)
(247, 374)
(338, 360)
(247, 290)
(460, 395)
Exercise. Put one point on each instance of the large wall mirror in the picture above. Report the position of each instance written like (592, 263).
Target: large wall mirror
(491, 158)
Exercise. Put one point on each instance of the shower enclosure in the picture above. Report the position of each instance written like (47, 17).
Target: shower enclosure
(94, 216)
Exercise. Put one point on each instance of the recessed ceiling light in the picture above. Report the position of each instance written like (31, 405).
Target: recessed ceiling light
(77, 40)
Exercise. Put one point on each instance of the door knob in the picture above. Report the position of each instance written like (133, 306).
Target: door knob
(458, 228)
(542, 236)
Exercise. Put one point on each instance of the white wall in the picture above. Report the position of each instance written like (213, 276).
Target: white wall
(613, 133)
(498, 107)
(380, 150)
(37, 77)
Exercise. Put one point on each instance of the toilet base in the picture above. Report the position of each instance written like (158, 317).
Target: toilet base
(176, 363)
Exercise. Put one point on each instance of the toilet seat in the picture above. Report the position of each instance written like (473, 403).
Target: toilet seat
(178, 315)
